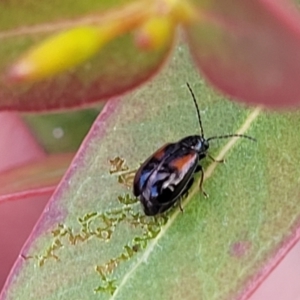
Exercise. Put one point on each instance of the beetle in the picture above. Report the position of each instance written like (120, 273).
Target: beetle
(168, 174)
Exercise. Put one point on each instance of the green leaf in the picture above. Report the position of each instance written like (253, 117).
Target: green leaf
(63, 131)
(93, 242)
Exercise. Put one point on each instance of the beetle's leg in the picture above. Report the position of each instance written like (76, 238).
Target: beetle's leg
(180, 207)
(185, 192)
(201, 182)
(198, 169)
(215, 160)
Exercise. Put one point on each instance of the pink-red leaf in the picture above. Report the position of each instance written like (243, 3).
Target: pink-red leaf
(17, 219)
(249, 49)
(17, 146)
(34, 177)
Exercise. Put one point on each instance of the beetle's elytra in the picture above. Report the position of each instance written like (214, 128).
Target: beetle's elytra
(169, 173)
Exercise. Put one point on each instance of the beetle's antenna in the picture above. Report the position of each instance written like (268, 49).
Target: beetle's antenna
(197, 108)
(231, 135)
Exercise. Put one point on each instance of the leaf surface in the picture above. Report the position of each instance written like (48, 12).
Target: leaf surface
(94, 242)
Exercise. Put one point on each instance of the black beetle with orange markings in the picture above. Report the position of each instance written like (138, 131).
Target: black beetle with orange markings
(169, 173)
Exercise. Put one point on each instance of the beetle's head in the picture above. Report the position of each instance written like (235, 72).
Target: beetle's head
(195, 142)
(205, 144)
(201, 144)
